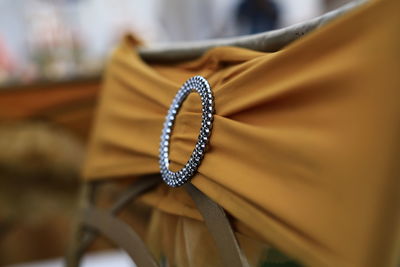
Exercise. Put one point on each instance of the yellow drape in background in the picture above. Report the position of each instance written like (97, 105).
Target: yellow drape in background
(305, 148)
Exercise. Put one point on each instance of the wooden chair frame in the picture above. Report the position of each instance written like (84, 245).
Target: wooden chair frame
(92, 221)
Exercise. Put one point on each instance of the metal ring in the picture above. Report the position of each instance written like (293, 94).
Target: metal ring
(201, 86)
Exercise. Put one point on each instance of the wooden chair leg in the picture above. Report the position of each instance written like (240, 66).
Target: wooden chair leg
(90, 222)
(220, 228)
(120, 234)
(74, 251)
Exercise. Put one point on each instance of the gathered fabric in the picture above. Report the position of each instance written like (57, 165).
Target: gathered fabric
(305, 145)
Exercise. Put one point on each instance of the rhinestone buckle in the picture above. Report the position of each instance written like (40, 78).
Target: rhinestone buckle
(201, 86)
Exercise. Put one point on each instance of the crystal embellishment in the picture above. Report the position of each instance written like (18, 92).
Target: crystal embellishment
(195, 84)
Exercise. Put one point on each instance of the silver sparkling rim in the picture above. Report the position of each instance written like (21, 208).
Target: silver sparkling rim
(195, 84)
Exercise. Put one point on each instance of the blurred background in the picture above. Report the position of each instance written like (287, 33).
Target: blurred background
(52, 53)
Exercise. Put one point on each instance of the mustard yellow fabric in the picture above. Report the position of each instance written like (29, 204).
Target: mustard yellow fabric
(305, 147)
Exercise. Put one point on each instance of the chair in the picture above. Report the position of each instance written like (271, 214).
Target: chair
(304, 246)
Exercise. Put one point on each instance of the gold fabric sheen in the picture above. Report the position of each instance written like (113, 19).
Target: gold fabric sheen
(305, 146)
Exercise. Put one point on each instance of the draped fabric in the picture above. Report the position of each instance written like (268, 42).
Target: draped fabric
(305, 145)
(181, 241)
